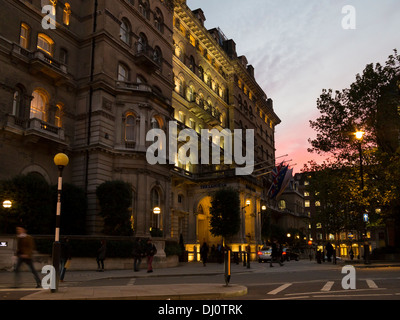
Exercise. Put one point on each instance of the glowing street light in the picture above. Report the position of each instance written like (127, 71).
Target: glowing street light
(7, 204)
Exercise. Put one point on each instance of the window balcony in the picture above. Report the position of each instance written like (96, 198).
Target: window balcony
(147, 57)
(43, 129)
(40, 61)
(204, 111)
(34, 127)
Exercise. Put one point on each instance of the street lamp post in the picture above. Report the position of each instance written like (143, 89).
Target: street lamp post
(60, 160)
(359, 136)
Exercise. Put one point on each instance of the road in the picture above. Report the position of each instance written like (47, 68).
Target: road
(294, 281)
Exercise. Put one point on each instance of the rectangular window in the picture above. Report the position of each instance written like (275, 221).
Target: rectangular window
(24, 36)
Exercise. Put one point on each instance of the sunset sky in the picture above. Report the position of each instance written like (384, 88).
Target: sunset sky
(299, 47)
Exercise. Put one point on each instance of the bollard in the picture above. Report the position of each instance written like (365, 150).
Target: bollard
(227, 267)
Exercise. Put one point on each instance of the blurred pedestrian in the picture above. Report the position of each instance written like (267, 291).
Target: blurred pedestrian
(329, 251)
(101, 256)
(151, 250)
(138, 253)
(204, 253)
(25, 248)
(65, 260)
(275, 253)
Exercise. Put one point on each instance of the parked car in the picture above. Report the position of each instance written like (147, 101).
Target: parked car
(288, 255)
(264, 254)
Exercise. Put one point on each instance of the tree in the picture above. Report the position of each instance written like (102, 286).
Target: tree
(31, 204)
(371, 104)
(73, 209)
(115, 198)
(225, 213)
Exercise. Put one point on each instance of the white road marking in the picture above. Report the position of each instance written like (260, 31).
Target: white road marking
(279, 289)
(131, 282)
(328, 286)
(372, 284)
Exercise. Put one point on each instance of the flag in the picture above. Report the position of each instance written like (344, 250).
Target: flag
(278, 176)
(285, 182)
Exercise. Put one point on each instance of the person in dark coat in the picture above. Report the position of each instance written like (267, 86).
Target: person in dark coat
(25, 248)
(138, 253)
(275, 253)
(204, 253)
(329, 251)
(101, 255)
(151, 250)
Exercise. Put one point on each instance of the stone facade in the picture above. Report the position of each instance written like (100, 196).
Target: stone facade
(109, 72)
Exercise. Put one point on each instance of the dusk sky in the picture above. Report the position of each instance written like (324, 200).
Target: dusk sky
(299, 47)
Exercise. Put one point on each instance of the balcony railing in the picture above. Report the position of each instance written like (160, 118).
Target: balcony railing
(39, 127)
(147, 56)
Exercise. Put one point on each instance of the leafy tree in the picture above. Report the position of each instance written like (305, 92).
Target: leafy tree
(115, 197)
(371, 104)
(225, 213)
(73, 209)
(31, 204)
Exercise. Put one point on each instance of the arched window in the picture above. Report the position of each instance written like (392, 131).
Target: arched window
(16, 102)
(45, 43)
(159, 20)
(155, 202)
(157, 55)
(144, 8)
(140, 79)
(130, 128)
(38, 105)
(142, 43)
(155, 124)
(66, 14)
(124, 31)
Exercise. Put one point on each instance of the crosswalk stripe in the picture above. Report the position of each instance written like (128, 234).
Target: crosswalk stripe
(328, 286)
(131, 282)
(372, 284)
(279, 289)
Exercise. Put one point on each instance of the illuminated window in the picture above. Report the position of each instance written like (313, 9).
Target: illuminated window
(57, 116)
(307, 203)
(24, 36)
(38, 105)
(282, 204)
(45, 43)
(66, 14)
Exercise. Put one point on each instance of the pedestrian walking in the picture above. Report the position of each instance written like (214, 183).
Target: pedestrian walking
(329, 251)
(204, 253)
(65, 260)
(101, 256)
(138, 253)
(151, 250)
(275, 256)
(25, 248)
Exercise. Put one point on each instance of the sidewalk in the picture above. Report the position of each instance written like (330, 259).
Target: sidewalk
(163, 292)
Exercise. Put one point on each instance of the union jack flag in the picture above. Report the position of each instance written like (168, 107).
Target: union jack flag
(278, 176)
